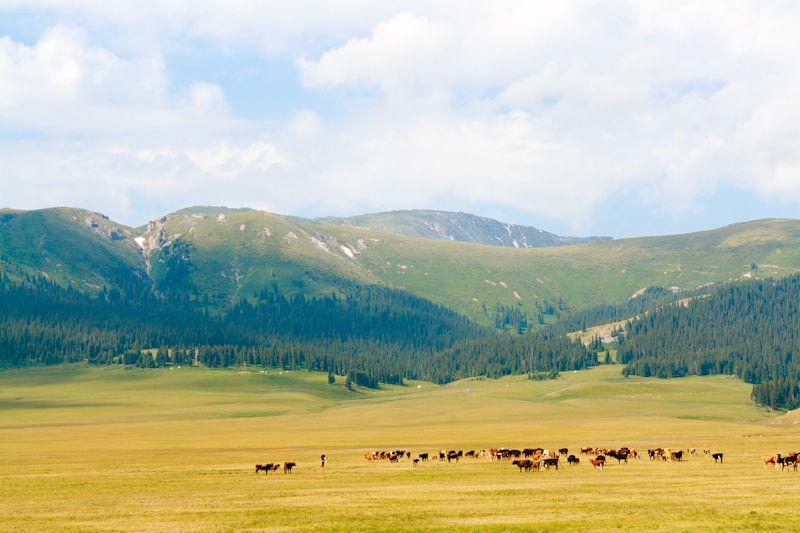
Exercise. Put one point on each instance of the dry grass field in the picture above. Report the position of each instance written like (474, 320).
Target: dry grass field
(87, 449)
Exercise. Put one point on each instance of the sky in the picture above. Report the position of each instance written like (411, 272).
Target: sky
(609, 118)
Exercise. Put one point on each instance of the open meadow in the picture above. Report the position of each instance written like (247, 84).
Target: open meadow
(105, 449)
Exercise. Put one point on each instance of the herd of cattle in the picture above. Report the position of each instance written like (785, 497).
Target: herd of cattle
(529, 459)
(784, 461)
(534, 459)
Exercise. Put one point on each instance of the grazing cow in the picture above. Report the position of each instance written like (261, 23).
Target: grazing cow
(470, 453)
(599, 462)
(775, 459)
(572, 460)
(523, 464)
(587, 450)
(266, 468)
(619, 455)
(677, 455)
(423, 457)
(550, 461)
(287, 467)
(393, 458)
(416, 462)
(717, 456)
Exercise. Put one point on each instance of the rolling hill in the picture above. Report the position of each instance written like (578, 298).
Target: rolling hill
(220, 255)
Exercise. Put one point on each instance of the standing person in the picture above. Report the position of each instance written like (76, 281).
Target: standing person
(323, 460)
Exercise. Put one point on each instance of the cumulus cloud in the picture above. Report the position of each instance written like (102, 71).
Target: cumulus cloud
(548, 109)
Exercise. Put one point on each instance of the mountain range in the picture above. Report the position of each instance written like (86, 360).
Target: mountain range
(218, 255)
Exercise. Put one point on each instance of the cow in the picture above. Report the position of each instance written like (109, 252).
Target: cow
(393, 458)
(563, 451)
(706, 452)
(599, 462)
(528, 452)
(692, 451)
(550, 461)
(523, 464)
(619, 455)
(587, 450)
(677, 455)
(572, 460)
(453, 456)
(287, 467)
(717, 456)
(790, 460)
(266, 468)
(323, 459)
(773, 459)
(423, 457)
(416, 462)
(470, 453)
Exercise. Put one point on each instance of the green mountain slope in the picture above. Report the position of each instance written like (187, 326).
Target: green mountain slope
(220, 255)
(467, 276)
(71, 246)
(464, 227)
(227, 255)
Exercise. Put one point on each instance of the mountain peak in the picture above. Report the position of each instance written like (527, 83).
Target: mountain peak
(457, 226)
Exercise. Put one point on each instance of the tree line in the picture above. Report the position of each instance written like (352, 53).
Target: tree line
(374, 334)
(748, 329)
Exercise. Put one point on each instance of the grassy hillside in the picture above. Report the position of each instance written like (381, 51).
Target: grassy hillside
(88, 449)
(229, 255)
(224, 254)
(70, 246)
(463, 276)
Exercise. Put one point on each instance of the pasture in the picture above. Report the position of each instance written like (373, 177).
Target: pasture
(105, 449)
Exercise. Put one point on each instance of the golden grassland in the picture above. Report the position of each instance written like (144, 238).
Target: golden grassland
(87, 449)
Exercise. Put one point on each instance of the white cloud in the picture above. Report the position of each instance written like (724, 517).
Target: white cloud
(548, 109)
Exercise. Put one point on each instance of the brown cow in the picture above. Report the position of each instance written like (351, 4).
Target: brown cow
(287, 467)
(599, 462)
(266, 468)
(523, 464)
(773, 459)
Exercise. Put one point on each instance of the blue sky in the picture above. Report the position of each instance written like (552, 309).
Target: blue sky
(610, 118)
